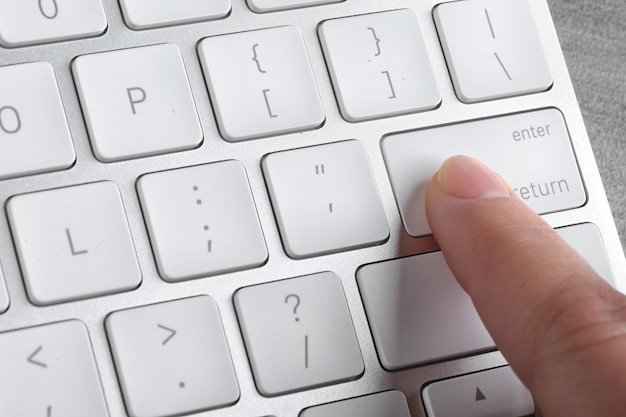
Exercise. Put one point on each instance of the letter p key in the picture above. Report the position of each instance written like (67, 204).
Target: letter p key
(136, 95)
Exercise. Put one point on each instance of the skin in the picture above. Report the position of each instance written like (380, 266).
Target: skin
(561, 327)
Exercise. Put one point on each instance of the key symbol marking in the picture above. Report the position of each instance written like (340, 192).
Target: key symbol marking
(74, 251)
(267, 104)
(306, 351)
(479, 395)
(393, 92)
(493, 35)
(378, 51)
(171, 332)
(296, 305)
(255, 58)
(503, 67)
(31, 358)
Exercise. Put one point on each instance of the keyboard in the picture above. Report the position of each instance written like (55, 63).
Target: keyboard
(216, 208)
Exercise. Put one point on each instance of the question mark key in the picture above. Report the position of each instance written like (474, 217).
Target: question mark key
(295, 341)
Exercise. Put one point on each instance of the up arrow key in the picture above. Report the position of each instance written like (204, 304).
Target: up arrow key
(494, 392)
(479, 395)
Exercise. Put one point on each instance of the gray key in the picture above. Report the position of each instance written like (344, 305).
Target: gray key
(298, 333)
(384, 404)
(49, 371)
(172, 358)
(4, 295)
(418, 313)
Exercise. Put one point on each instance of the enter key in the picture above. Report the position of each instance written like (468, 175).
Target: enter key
(531, 150)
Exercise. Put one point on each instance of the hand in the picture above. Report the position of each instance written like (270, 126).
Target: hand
(561, 327)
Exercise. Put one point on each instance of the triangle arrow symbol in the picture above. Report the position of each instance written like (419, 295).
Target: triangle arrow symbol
(172, 333)
(479, 395)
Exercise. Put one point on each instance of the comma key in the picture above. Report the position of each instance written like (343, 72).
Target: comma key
(531, 150)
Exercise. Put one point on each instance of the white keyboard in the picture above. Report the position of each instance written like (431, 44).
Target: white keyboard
(215, 208)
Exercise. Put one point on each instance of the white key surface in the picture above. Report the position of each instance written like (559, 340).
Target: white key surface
(262, 6)
(383, 404)
(147, 14)
(202, 220)
(172, 358)
(418, 313)
(379, 65)
(325, 199)
(261, 83)
(294, 341)
(137, 102)
(4, 295)
(73, 243)
(50, 371)
(495, 392)
(492, 49)
(531, 150)
(34, 136)
(24, 23)
(587, 241)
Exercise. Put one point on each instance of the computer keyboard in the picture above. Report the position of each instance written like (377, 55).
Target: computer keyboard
(215, 208)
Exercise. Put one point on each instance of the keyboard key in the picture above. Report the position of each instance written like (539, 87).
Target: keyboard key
(294, 341)
(587, 241)
(4, 295)
(34, 136)
(325, 199)
(492, 49)
(261, 83)
(262, 6)
(50, 371)
(137, 102)
(25, 23)
(147, 14)
(379, 65)
(418, 313)
(73, 243)
(531, 150)
(389, 403)
(496, 392)
(172, 358)
(202, 220)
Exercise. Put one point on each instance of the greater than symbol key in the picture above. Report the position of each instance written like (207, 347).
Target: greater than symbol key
(167, 329)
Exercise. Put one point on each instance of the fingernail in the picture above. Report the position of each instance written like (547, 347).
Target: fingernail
(468, 178)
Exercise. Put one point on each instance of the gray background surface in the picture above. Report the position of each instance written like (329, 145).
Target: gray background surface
(593, 38)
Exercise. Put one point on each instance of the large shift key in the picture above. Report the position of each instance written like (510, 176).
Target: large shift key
(532, 151)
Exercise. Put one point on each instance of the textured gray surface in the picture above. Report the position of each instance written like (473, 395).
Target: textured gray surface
(593, 38)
